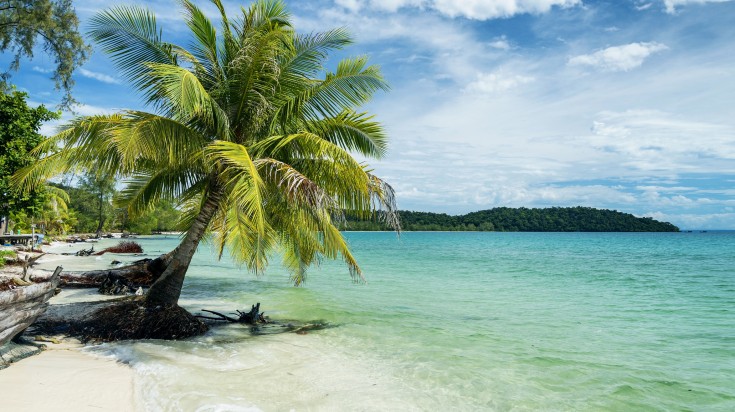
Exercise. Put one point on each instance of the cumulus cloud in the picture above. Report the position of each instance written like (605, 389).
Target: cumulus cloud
(618, 58)
(672, 4)
(101, 77)
(498, 82)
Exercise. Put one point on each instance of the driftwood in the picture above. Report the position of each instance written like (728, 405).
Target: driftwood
(85, 252)
(21, 306)
(139, 273)
(116, 285)
(27, 263)
(251, 318)
(262, 325)
(76, 239)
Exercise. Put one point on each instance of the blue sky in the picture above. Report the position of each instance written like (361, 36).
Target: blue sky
(626, 105)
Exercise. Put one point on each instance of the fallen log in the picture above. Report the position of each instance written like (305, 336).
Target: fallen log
(21, 306)
(142, 272)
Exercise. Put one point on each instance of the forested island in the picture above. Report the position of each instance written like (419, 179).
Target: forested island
(506, 219)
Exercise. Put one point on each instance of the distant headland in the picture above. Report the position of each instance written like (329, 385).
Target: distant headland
(506, 219)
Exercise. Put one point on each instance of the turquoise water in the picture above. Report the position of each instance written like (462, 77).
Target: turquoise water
(465, 321)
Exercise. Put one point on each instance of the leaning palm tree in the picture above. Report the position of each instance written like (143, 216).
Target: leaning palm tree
(246, 132)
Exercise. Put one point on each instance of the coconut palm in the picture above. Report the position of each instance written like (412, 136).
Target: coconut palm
(246, 131)
(54, 214)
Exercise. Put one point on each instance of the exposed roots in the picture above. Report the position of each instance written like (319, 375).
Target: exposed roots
(132, 319)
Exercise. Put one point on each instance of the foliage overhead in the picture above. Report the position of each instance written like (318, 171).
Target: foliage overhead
(247, 133)
(24, 22)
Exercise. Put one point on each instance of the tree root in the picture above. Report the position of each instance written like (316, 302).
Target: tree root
(133, 319)
(251, 318)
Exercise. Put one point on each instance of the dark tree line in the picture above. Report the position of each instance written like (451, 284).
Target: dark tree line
(506, 219)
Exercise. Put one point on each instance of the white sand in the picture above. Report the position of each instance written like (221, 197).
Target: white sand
(62, 378)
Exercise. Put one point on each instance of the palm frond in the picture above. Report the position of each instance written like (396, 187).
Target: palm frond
(352, 85)
(131, 36)
(241, 178)
(352, 131)
(159, 139)
(59, 195)
(385, 201)
(188, 101)
(205, 48)
(144, 189)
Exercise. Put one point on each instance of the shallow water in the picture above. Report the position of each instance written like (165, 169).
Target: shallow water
(461, 321)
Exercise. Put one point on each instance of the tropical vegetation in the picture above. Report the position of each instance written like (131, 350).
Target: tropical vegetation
(18, 136)
(247, 133)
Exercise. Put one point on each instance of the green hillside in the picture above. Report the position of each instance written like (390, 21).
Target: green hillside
(506, 219)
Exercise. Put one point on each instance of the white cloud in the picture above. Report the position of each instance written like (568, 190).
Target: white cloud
(394, 5)
(471, 9)
(89, 110)
(52, 127)
(672, 4)
(500, 43)
(351, 5)
(42, 70)
(656, 142)
(498, 82)
(696, 221)
(490, 9)
(618, 58)
(104, 78)
(447, 50)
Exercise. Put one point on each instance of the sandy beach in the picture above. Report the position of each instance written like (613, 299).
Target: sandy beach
(63, 378)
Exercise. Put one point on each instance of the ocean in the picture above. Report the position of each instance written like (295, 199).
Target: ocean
(460, 321)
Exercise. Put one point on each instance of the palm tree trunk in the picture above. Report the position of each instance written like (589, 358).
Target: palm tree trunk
(167, 289)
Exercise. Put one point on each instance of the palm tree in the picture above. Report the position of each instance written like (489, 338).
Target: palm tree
(52, 215)
(247, 132)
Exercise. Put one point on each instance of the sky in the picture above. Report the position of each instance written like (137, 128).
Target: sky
(626, 105)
